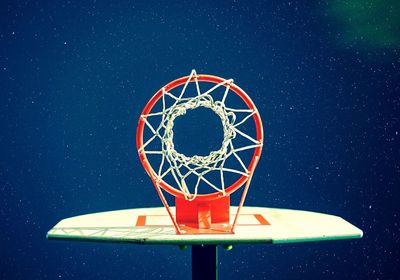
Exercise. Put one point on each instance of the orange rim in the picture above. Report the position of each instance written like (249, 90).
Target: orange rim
(156, 97)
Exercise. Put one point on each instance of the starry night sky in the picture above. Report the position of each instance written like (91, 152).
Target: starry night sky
(75, 75)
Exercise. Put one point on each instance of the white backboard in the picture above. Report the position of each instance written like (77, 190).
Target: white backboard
(255, 225)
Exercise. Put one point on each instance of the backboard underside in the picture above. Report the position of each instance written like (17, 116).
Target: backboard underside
(255, 225)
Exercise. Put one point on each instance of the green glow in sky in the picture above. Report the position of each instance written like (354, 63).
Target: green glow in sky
(368, 24)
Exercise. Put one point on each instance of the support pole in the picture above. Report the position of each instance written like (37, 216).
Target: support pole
(204, 262)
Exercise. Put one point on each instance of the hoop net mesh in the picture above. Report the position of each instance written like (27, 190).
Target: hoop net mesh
(180, 166)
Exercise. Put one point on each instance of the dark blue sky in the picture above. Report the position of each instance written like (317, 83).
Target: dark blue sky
(75, 76)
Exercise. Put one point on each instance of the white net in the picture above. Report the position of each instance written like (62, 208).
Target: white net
(179, 166)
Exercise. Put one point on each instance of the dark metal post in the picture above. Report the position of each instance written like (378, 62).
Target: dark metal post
(204, 262)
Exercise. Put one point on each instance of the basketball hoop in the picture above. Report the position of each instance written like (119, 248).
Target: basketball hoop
(201, 216)
(199, 212)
